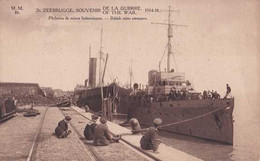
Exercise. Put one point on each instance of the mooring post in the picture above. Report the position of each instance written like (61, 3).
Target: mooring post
(109, 109)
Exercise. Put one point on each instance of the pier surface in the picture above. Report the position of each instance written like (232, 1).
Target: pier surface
(165, 152)
(32, 138)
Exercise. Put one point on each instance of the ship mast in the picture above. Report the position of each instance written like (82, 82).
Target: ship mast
(169, 35)
(169, 40)
(131, 74)
(100, 58)
(102, 72)
(89, 53)
(89, 66)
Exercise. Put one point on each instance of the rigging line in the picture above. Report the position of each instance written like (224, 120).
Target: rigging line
(111, 79)
(111, 75)
(187, 120)
(175, 62)
(127, 79)
(175, 47)
(163, 54)
(133, 78)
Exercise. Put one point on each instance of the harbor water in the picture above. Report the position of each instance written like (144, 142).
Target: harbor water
(246, 144)
(246, 138)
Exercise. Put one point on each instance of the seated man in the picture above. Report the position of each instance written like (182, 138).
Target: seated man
(90, 128)
(102, 136)
(62, 129)
(150, 139)
(136, 128)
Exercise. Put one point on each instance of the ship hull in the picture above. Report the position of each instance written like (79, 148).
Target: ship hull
(92, 98)
(200, 120)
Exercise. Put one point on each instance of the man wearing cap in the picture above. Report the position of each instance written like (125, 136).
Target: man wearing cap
(101, 134)
(150, 139)
(90, 128)
(62, 129)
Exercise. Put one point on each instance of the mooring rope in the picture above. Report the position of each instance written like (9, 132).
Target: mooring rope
(187, 120)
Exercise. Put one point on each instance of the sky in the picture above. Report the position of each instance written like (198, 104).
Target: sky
(219, 46)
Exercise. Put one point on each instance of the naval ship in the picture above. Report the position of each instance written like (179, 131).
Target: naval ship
(97, 96)
(169, 96)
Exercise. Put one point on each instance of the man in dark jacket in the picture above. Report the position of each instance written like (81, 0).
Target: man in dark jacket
(62, 129)
(102, 135)
(228, 91)
(90, 128)
(150, 139)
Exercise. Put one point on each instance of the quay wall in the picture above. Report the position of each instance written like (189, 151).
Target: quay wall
(19, 89)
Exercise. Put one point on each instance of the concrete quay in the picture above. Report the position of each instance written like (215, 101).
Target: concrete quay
(17, 135)
(52, 148)
(19, 142)
(113, 152)
(166, 153)
(18, 138)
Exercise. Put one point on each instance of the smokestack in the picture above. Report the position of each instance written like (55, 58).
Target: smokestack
(92, 71)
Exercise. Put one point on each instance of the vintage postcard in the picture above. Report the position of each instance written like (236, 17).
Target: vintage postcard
(155, 80)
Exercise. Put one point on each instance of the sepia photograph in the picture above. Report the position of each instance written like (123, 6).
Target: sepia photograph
(129, 80)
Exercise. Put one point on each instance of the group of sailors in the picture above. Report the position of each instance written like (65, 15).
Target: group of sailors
(177, 95)
(210, 95)
(214, 94)
(101, 135)
(183, 94)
